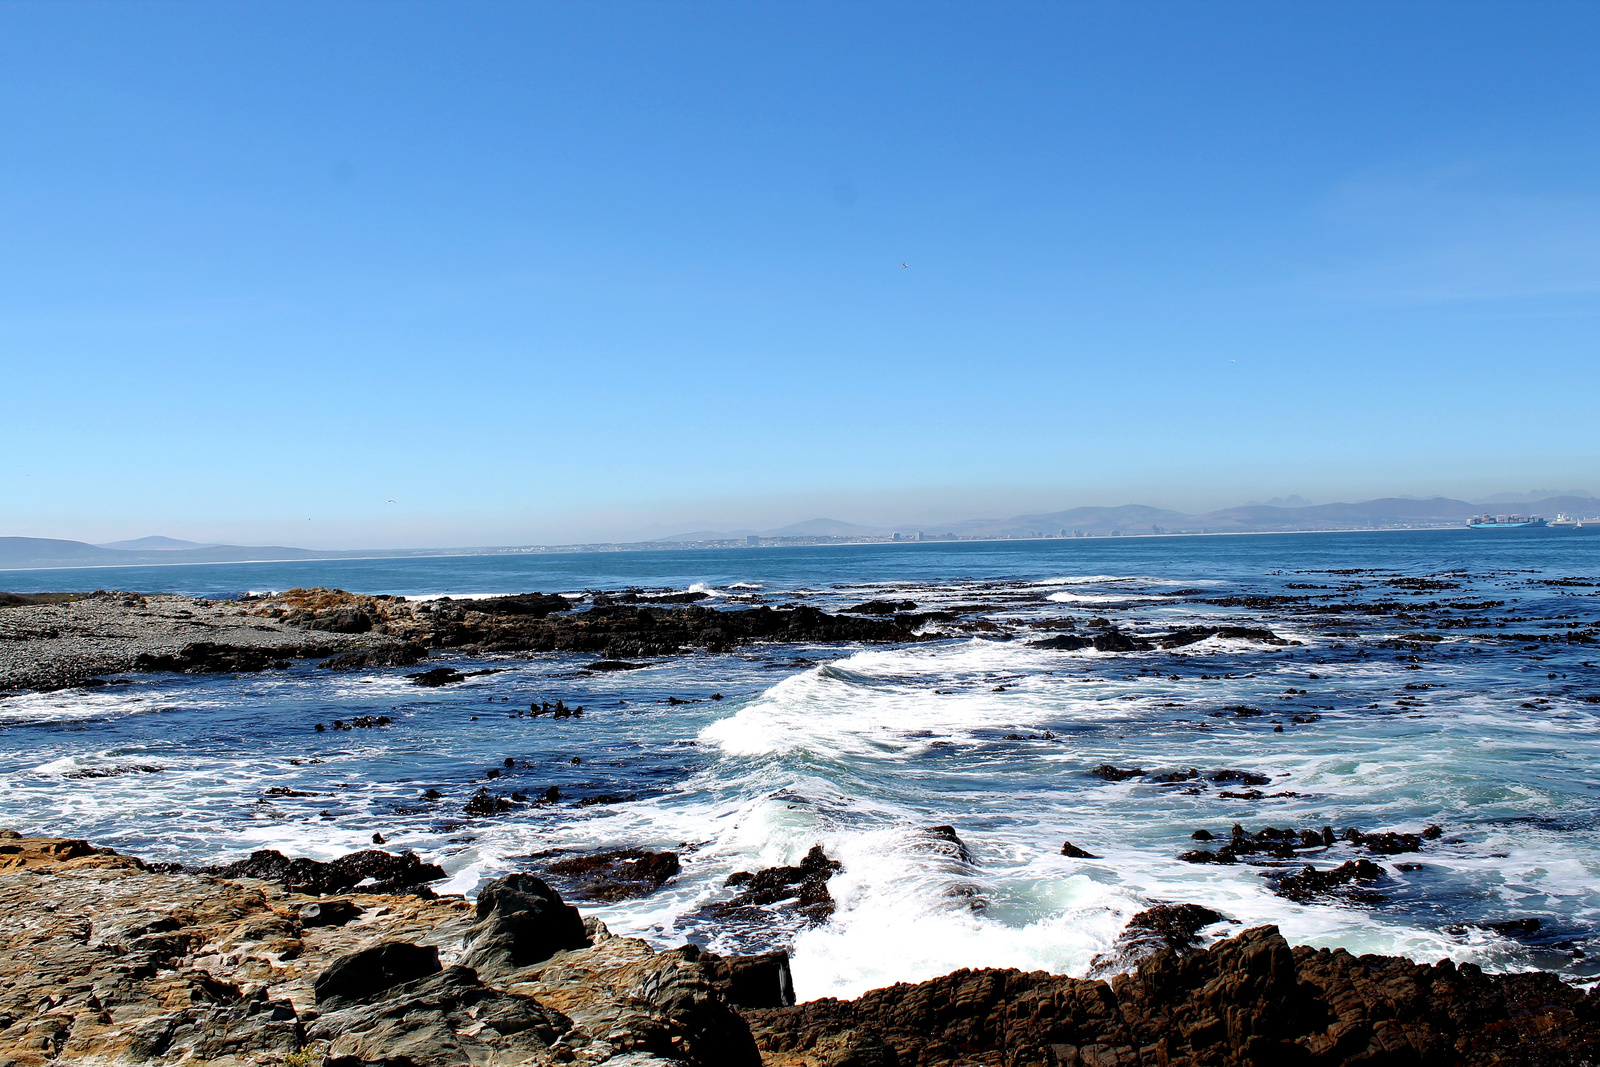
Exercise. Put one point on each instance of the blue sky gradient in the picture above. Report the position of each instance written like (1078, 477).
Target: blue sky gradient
(553, 272)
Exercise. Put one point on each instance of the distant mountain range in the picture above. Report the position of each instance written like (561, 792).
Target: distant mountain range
(1129, 519)
(29, 553)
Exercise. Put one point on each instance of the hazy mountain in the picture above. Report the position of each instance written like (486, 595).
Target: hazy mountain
(26, 553)
(155, 543)
(823, 528)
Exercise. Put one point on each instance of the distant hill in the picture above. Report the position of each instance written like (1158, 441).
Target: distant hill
(1387, 513)
(823, 528)
(30, 553)
(154, 544)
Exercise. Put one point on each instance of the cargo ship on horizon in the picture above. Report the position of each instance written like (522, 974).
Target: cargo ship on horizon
(1505, 522)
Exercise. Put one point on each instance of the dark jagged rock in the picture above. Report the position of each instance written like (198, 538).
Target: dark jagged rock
(1114, 640)
(483, 803)
(535, 605)
(437, 677)
(520, 921)
(1063, 642)
(204, 657)
(806, 885)
(945, 840)
(401, 655)
(610, 629)
(1191, 635)
(1311, 883)
(760, 981)
(362, 975)
(403, 873)
(614, 665)
(1251, 1001)
(606, 600)
(1174, 927)
(1069, 849)
(882, 607)
(1389, 843)
(618, 874)
(1242, 777)
(1116, 774)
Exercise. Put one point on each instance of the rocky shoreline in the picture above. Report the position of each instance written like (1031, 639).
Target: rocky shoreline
(59, 641)
(106, 959)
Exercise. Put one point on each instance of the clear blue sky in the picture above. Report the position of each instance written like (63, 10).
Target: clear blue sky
(539, 272)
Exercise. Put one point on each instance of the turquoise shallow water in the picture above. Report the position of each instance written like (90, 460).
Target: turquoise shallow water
(861, 748)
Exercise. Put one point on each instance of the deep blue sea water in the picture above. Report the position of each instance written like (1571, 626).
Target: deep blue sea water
(860, 749)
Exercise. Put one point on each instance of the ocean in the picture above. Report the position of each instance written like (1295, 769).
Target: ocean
(1431, 678)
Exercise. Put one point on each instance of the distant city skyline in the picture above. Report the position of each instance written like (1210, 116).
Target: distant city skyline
(354, 275)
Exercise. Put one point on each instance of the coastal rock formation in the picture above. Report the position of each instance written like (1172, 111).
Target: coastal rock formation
(54, 645)
(806, 885)
(615, 874)
(613, 631)
(376, 872)
(104, 959)
(1251, 1000)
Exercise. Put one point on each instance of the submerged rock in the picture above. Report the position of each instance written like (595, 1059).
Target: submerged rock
(617, 874)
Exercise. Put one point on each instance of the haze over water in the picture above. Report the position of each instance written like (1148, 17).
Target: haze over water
(1415, 709)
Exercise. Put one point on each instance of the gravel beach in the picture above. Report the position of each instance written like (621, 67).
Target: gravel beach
(74, 642)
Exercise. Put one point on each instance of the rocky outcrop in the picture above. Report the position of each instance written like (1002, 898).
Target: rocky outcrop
(1251, 1001)
(104, 959)
(617, 627)
(805, 885)
(56, 641)
(382, 872)
(521, 921)
(51, 645)
(615, 874)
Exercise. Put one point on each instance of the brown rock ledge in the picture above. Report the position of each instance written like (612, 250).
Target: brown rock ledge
(106, 960)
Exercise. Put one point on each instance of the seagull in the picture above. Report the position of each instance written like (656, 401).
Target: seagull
(388, 501)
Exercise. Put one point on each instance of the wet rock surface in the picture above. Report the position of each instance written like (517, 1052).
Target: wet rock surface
(615, 874)
(105, 960)
(374, 871)
(803, 887)
(1250, 1000)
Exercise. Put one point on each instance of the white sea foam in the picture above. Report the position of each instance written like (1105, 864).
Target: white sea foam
(1101, 598)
